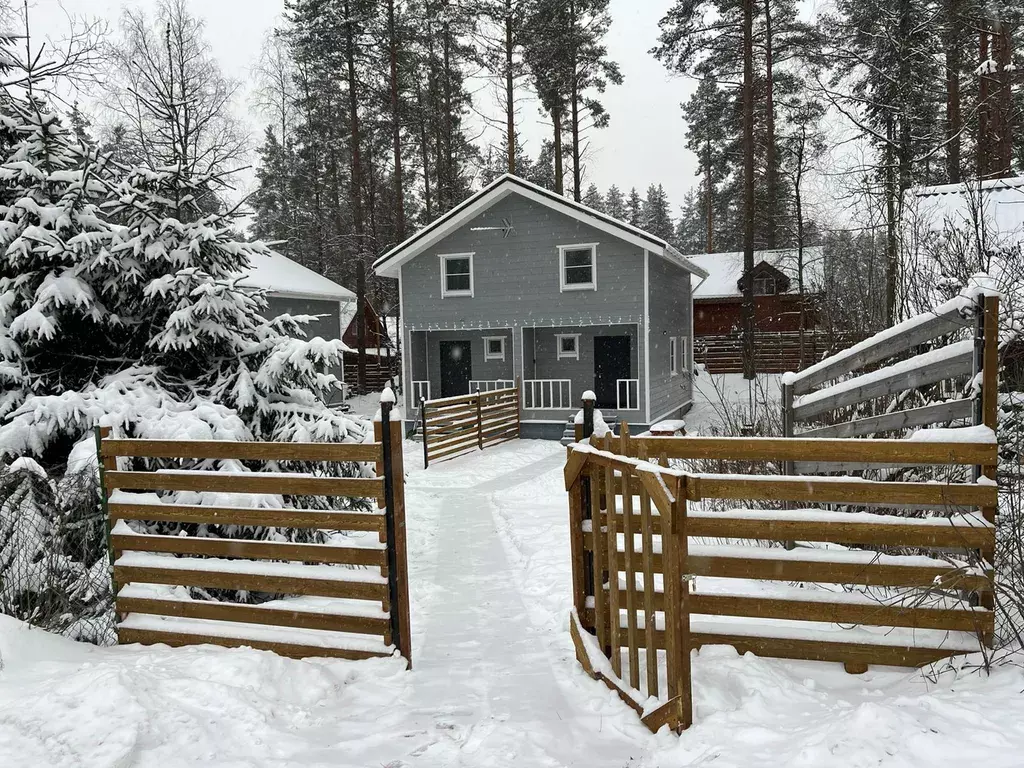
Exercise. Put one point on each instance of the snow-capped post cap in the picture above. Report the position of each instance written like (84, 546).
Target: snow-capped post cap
(589, 395)
(387, 395)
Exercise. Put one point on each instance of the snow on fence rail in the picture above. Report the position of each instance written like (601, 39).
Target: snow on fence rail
(644, 595)
(454, 426)
(346, 601)
(806, 401)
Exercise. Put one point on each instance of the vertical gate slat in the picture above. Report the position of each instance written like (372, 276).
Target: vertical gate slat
(614, 618)
(599, 549)
(648, 544)
(630, 545)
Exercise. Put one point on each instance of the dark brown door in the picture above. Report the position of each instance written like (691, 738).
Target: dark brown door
(456, 368)
(611, 363)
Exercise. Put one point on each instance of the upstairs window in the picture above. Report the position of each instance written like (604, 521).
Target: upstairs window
(457, 274)
(494, 347)
(578, 265)
(568, 346)
(673, 355)
(765, 286)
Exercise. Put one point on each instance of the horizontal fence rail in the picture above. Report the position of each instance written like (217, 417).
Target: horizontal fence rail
(454, 426)
(657, 572)
(547, 394)
(346, 597)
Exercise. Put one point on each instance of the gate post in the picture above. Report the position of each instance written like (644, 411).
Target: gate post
(423, 431)
(479, 421)
(390, 436)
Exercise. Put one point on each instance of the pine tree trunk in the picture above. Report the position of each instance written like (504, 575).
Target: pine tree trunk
(798, 200)
(424, 151)
(449, 144)
(396, 127)
(891, 251)
(984, 105)
(748, 189)
(556, 117)
(357, 202)
(771, 162)
(510, 107)
(954, 124)
(708, 187)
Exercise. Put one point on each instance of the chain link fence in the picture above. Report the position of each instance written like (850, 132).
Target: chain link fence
(54, 561)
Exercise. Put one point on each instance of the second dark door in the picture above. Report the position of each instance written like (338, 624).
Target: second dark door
(456, 368)
(611, 363)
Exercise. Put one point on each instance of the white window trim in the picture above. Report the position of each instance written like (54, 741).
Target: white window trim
(445, 293)
(686, 358)
(488, 355)
(592, 285)
(673, 356)
(558, 346)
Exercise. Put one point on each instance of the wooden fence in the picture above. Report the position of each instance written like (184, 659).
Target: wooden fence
(353, 597)
(454, 426)
(843, 408)
(929, 599)
(774, 351)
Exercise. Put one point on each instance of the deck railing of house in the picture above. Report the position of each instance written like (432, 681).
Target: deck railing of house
(627, 394)
(420, 391)
(547, 394)
(489, 385)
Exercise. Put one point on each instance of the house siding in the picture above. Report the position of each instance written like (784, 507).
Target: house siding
(670, 303)
(482, 370)
(517, 284)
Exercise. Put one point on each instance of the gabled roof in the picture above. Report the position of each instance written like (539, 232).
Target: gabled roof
(725, 270)
(388, 265)
(280, 276)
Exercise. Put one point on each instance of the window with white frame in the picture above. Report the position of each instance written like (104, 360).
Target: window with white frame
(568, 346)
(457, 274)
(578, 267)
(494, 347)
(673, 355)
(685, 361)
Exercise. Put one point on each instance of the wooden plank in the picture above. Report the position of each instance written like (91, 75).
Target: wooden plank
(575, 463)
(600, 552)
(880, 534)
(990, 366)
(291, 650)
(937, 413)
(889, 381)
(679, 616)
(868, 353)
(273, 518)
(400, 546)
(826, 490)
(843, 613)
(647, 536)
(830, 572)
(289, 585)
(253, 614)
(453, 452)
(576, 552)
(631, 605)
(801, 448)
(355, 487)
(253, 550)
(613, 583)
(670, 563)
(242, 451)
(439, 445)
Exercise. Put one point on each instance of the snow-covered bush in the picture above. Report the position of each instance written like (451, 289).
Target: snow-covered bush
(120, 306)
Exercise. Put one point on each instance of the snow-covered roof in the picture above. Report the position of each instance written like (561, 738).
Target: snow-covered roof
(999, 202)
(725, 270)
(281, 276)
(388, 265)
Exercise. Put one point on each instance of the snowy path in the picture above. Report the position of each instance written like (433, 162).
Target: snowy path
(495, 682)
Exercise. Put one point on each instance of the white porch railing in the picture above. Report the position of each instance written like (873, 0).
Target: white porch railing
(420, 391)
(547, 394)
(489, 385)
(627, 394)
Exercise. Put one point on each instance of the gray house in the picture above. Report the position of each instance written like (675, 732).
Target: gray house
(518, 282)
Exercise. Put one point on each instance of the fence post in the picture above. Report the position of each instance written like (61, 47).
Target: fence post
(582, 431)
(589, 399)
(677, 606)
(479, 421)
(519, 406)
(105, 463)
(394, 520)
(988, 411)
(423, 431)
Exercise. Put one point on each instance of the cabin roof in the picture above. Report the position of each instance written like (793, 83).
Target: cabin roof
(280, 276)
(725, 270)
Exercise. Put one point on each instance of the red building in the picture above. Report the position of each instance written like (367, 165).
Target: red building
(718, 301)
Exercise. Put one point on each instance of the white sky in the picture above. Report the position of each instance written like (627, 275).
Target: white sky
(643, 143)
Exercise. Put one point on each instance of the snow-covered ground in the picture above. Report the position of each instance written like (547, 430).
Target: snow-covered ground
(495, 681)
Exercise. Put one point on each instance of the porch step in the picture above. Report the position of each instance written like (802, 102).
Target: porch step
(569, 434)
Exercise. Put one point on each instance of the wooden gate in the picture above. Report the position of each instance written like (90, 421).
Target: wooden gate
(353, 594)
(453, 426)
(922, 586)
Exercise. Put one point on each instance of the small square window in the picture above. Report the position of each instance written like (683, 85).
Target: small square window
(494, 348)
(457, 274)
(578, 267)
(673, 356)
(568, 346)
